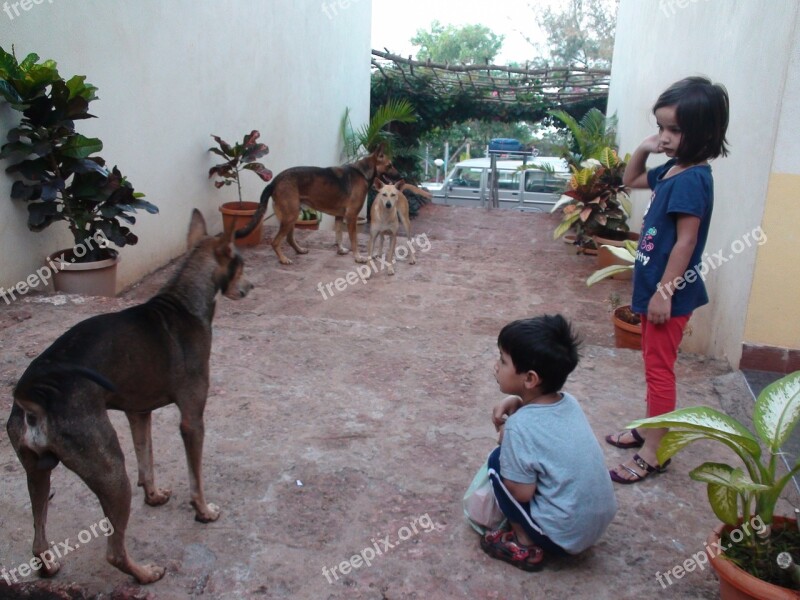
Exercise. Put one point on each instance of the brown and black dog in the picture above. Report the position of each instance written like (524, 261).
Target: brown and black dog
(135, 360)
(338, 191)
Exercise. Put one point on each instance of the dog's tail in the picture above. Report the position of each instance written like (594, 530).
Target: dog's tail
(43, 383)
(259, 216)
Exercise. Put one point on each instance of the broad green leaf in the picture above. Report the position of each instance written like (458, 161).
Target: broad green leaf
(621, 253)
(727, 476)
(675, 441)
(565, 225)
(625, 203)
(562, 201)
(79, 146)
(777, 410)
(724, 502)
(632, 246)
(704, 419)
(608, 271)
(8, 92)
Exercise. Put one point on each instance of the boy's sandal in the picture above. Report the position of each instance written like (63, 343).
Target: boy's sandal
(614, 440)
(637, 477)
(505, 547)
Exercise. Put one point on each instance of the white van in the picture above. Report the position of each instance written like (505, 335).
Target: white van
(469, 184)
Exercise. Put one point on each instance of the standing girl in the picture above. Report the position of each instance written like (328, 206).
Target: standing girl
(692, 118)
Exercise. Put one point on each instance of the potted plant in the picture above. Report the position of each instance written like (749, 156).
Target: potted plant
(309, 219)
(740, 496)
(239, 157)
(596, 204)
(60, 179)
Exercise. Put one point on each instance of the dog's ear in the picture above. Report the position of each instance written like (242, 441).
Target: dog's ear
(197, 229)
(399, 185)
(378, 184)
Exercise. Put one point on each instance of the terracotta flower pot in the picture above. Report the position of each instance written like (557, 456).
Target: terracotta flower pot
(737, 584)
(239, 214)
(96, 278)
(626, 335)
(600, 240)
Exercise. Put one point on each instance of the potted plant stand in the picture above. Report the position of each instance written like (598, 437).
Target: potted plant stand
(96, 278)
(626, 333)
(737, 584)
(239, 214)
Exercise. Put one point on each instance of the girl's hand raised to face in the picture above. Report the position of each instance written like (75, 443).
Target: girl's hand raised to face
(651, 144)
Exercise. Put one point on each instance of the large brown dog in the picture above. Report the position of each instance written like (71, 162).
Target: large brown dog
(135, 360)
(338, 191)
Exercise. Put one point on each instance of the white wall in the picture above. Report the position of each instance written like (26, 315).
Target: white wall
(172, 73)
(744, 45)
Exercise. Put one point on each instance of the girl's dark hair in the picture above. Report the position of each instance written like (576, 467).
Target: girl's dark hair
(544, 344)
(701, 109)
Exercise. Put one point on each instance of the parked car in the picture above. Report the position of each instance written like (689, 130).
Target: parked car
(469, 184)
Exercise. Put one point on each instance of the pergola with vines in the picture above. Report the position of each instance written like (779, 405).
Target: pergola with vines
(444, 94)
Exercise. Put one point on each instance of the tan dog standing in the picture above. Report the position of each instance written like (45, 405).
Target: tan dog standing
(338, 191)
(388, 209)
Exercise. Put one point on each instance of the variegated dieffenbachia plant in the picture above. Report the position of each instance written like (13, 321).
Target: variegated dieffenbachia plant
(736, 492)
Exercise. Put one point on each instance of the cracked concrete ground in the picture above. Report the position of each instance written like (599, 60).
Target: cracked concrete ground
(335, 422)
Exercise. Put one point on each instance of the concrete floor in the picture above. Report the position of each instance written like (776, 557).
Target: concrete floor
(335, 422)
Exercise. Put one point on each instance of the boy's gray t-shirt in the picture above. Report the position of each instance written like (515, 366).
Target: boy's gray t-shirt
(553, 446)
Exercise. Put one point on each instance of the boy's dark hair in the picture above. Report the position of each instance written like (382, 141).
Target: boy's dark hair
(701, 109)
(544, 344)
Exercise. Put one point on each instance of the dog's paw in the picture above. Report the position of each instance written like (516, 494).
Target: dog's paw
(361, 259)
(158, 497)
(49, 568)
(301, 250)
(341, 250)
(285, 261)
(149, 573)
(391, 270)
(209, 515)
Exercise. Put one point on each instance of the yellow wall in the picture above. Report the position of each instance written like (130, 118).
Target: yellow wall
(773, 314)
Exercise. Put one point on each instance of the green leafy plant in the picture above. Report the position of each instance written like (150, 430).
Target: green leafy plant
(590, 136)
(627, 254)
(239, 157)
(596, 201)
(735, 492)
(55, 170)
(361, 141)
(308, 214)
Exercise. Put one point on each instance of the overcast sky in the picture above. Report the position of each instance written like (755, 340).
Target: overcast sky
(395, 23)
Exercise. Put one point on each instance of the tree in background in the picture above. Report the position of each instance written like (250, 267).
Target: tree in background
(580, 33)
(467, 45)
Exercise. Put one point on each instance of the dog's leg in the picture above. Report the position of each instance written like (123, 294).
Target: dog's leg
(297, 248)
(38, 489)
(407, 226)
(193, 433)
(393, 244)
(339, 248)
(143, 444)
(352, 225)
(373, 233)
(283, 231)
(103, 470)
